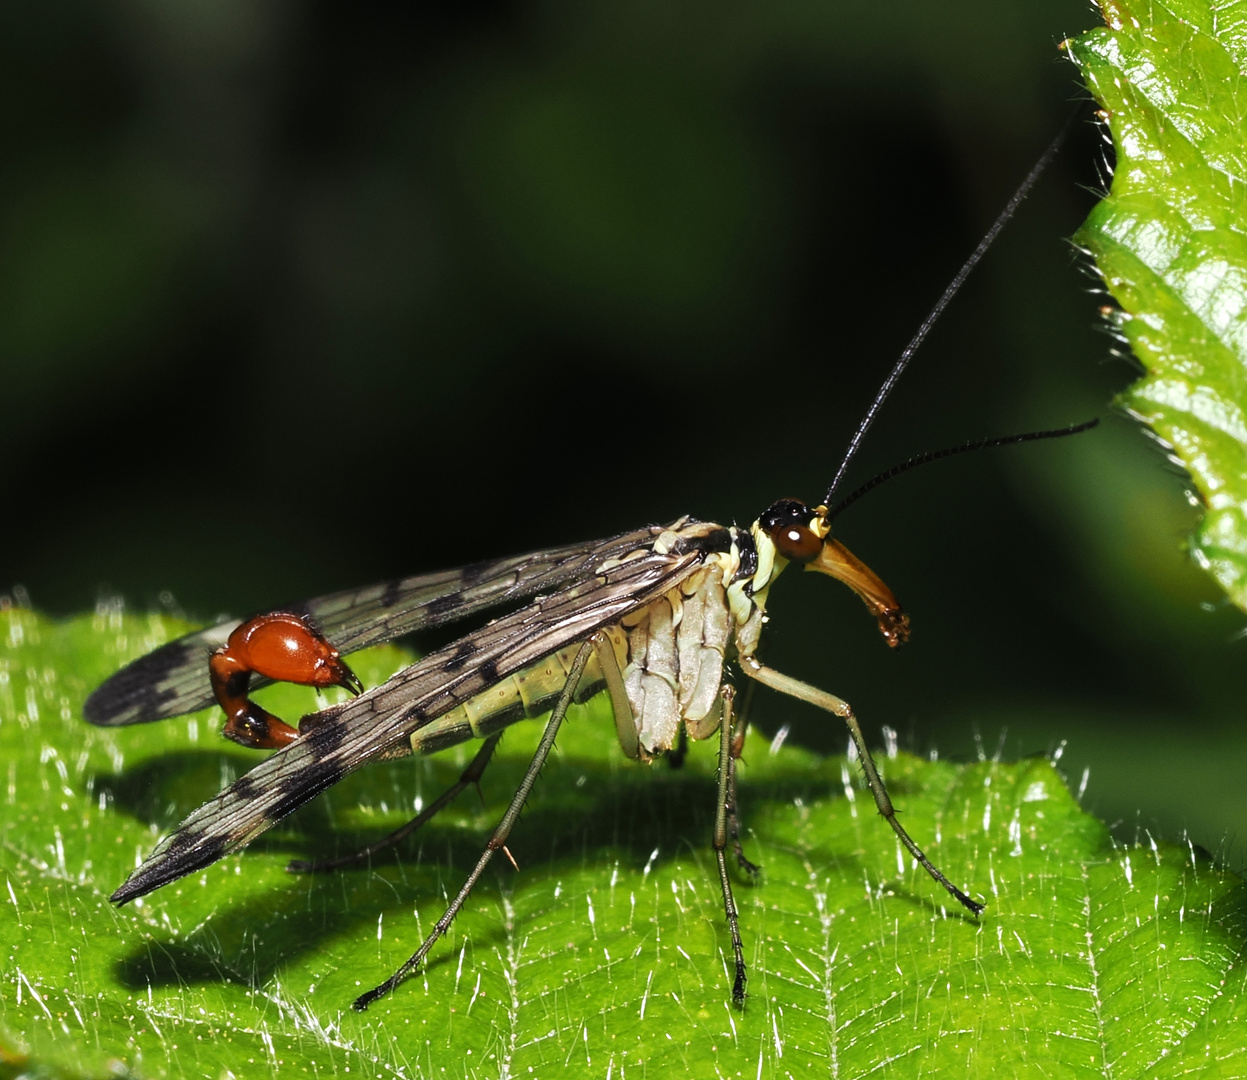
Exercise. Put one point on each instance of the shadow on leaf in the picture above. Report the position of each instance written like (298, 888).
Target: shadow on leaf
(620, 816)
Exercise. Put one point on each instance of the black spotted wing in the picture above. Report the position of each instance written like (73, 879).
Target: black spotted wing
(173, 679)
(363, 729)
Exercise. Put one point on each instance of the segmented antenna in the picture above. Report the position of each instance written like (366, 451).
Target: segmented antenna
(953, 451)
(903, 362)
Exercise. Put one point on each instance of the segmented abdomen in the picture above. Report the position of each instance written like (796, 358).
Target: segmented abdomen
(524, 695)
(675, 648)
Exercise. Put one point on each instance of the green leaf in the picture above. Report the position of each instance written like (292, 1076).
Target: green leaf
(605, 954)
(1171, 241)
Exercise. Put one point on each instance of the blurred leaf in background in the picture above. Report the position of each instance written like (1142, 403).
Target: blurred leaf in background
(1169, 241)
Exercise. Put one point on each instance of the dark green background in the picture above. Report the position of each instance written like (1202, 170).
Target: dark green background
(300, 296)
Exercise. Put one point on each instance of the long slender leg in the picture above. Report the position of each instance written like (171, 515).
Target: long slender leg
(720, 843)
(500, 835)
(625, 722)
(471, 775)
(795, 688)
(746, 706)
(741, 724)
(733, 817)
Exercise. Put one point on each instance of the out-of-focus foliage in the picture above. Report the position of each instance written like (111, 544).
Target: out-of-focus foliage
(1170, 242)
(606, 952)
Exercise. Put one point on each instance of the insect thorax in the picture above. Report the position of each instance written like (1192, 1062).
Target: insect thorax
(670, 652)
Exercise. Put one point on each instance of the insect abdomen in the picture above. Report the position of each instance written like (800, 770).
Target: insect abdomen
(675, 668)
(526, 694)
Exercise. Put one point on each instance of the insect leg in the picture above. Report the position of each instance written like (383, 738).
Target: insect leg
(625, 722)
(499, 838)
(471, 775)
(722, 810)
(823, 700)
(741, 725)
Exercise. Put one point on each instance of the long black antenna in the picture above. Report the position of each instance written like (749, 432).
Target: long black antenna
(953, 451)
(956, 283)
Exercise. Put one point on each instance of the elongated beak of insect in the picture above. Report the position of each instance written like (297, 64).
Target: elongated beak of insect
(839, 562)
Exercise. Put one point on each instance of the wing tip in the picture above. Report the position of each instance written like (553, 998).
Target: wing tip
(149, 877)
(182, 853)
(140, 882)
(125, 893)
(171, 680)
(98, 710)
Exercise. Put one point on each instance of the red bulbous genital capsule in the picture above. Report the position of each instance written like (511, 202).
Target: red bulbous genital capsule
(281, 646)
(285, 648)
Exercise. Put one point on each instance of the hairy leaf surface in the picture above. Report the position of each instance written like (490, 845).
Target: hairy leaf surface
(605, 954)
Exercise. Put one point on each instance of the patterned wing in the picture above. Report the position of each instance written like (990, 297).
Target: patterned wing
(173, 679)
(353, 733)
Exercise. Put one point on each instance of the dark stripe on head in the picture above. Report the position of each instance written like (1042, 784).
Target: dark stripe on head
(784, 512)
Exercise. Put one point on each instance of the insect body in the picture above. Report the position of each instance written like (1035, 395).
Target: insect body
(652, 617)
(649, 616)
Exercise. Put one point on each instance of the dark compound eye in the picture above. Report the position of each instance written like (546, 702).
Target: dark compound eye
(795, 542)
